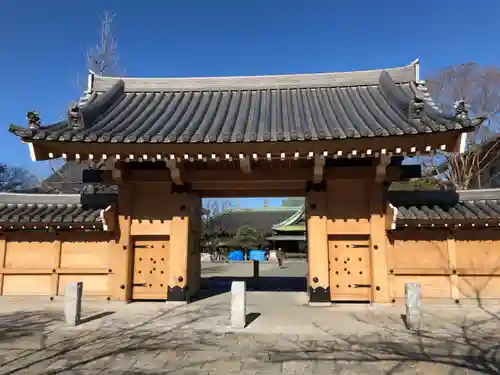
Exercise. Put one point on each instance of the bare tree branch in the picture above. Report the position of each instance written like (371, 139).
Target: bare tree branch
(16, 179)
(479, 87)
(103, 58)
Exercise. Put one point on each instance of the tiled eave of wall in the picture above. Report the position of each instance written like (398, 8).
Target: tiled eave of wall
(48, 212)
(467, 209)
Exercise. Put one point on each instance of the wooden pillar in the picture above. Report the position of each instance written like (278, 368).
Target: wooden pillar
(452, 263)
(3, 252)
(56, 264)
(194, 261)
(121, 250)
(378, 243)
(317, 247)
(179, 248)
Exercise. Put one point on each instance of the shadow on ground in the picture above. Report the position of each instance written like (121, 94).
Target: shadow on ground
(444, 347)
(215, 285)
(25, 324)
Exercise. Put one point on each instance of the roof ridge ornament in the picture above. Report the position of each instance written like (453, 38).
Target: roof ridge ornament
(462, 111)
(416, 108)
(33, 119)
(75, 118)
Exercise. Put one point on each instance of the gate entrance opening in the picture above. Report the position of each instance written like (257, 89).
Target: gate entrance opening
(246, 244)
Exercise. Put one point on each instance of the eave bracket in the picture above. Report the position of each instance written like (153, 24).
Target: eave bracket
(245, 164)
(381, 170)
(175, 173)
(319, 167)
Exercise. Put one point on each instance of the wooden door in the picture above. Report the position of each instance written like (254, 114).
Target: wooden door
(350, 276)
(150, 268)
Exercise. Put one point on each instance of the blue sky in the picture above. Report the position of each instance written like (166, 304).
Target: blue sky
(44, 43)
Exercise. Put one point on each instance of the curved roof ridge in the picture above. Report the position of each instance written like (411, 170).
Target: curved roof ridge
(26, 198)
(403, 74)
(292, 219)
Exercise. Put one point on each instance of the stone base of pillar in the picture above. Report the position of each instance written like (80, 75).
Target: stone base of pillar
(177, 294)
(319, 295)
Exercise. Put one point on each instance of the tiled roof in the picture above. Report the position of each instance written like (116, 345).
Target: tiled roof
(42, 211)
(445, 206)
(250, 109)
(261, 219)
(473, 210)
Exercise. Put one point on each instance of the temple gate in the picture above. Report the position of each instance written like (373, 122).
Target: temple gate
(336, 138)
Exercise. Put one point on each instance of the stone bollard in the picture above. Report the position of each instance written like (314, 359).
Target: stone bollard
(256, 268)
(73, 303)
(238, 304)
(413, 307)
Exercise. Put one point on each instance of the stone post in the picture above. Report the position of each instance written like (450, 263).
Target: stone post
(238, 304)
(413, 307)
(73, 303)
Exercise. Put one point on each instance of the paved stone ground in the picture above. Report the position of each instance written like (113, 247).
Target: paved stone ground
(287, 338)
(292, 268)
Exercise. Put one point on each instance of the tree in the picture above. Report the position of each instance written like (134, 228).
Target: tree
(247, 238)
(214, 228)
(15, 179)
(103, 60)
(471, 89)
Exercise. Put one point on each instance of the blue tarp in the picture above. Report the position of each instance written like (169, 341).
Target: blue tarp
(236, 255)
(256, 254)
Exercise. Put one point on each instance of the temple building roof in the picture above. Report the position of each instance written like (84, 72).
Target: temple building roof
(68, 179)
(261, 219)
(295, 107)
(294, 223)
(50, 211)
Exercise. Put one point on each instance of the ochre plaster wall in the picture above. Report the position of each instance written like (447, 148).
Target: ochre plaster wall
(43, 263)
(460, 266)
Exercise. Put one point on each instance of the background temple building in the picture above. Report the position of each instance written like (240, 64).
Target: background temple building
(274, 223)
(154, 148)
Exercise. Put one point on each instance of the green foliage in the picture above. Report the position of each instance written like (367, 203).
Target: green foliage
(423, 183)
(246, 238)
